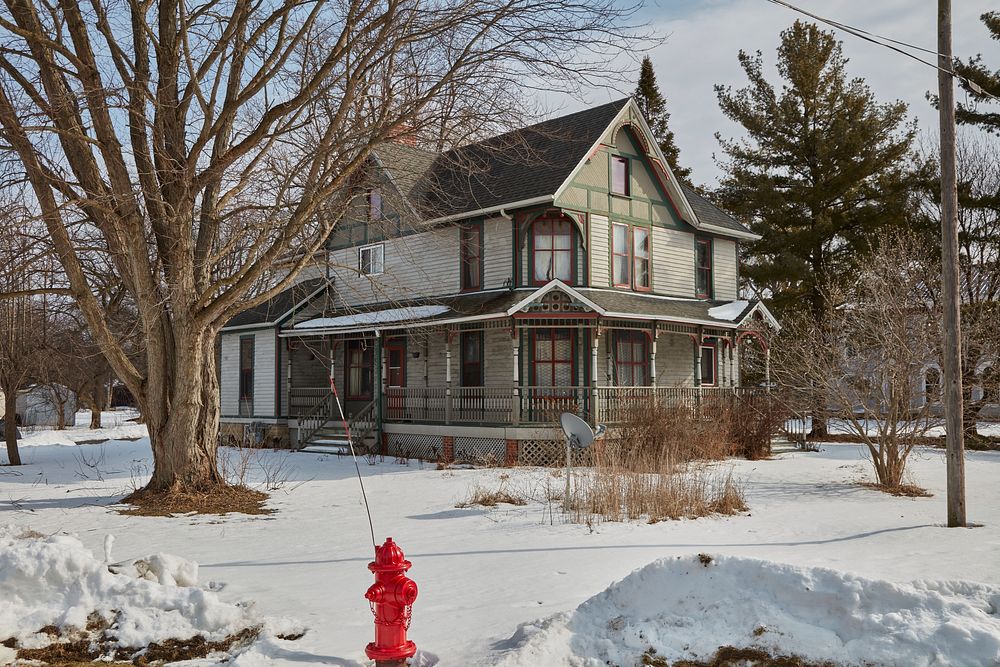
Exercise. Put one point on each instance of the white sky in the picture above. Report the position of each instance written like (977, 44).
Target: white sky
(703, 38)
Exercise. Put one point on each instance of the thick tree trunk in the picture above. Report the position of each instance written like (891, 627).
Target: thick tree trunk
(95, 418)
(10, 427)
(184, 423)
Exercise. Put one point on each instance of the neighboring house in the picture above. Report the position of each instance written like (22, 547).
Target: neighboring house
(478, 293)
(39, 405)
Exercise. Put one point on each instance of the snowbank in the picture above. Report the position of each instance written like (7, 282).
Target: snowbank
(728, 311)
(55, 580)
(682, 608)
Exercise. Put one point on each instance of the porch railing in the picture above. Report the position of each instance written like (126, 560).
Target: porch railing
(615, 403)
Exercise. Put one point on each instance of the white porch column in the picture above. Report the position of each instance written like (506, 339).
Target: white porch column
(447, 378)
(595, 343)
(767, 368)
(515, 408)
(652, 357)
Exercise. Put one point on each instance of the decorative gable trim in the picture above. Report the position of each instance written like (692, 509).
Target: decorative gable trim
(537, 297)
(759, 307)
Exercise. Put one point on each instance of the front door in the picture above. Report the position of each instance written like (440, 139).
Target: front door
(395, 352)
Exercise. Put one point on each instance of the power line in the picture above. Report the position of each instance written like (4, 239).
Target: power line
(891, 44)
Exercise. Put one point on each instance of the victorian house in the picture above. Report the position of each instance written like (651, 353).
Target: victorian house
(474, 295)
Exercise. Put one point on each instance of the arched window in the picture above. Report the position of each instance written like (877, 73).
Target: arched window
(932, 385)
(552, 251)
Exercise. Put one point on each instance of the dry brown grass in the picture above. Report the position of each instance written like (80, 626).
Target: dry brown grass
(96, 648)
(491, 498)
(225, 499)
(730, 656)
(907, 490)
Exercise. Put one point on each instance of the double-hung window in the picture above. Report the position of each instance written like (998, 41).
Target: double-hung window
(471, 249)
(552, 246)
(371, 259)
(703, 268)
(552, 358)
(630, 256)
(631, 357)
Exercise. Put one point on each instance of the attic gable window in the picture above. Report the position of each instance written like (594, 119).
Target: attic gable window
(374, 205)
(619, 175)
(371, 259)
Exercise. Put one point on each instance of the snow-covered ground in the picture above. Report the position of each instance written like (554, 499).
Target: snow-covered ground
(483, 574)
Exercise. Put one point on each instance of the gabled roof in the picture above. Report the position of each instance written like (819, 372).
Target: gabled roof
(710, 215)
(533, 165)
(280, 306)
(520, 166)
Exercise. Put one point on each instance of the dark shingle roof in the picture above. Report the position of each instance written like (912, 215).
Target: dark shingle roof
(278, 305)
(710, 214)
(523, 164)
(616, 301)
(406, 164)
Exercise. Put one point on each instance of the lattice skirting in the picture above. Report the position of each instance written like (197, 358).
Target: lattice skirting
(415, 446)
(550, 453)
(481, 451)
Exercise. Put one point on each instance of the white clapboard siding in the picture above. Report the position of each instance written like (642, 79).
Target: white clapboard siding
(417, 265)
(600, 254)
(263, 372)
(674, 361)
(497, 248)
(229, 372)
(673, 262)
(724, 269)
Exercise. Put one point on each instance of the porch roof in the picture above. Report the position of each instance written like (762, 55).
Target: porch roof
(502, 304)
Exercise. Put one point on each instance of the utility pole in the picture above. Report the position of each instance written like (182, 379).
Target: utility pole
(952, 315)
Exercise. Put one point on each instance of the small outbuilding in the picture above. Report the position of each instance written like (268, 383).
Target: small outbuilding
(39, 405)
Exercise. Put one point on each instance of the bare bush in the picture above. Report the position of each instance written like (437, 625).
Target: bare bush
(865, 357)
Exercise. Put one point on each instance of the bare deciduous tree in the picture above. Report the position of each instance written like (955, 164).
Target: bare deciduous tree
(193, 144)
(866, 356)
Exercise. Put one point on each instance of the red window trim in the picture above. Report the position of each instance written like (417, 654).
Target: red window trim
(477, 230)
(620, 159)
(627, 254)
(648, 259)
(367, 362)
(571, 250)
(699, 268)
(550, 382)
(632, 337)
(715, 364)
(631, 258)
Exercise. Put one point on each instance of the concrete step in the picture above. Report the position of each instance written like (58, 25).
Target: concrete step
(315, 448)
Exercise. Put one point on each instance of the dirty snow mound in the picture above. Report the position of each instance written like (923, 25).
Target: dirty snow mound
(682, 608)
(56, 581)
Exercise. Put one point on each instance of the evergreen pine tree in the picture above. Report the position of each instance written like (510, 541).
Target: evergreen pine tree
(988, 116)
(822, 170)
(654, 108)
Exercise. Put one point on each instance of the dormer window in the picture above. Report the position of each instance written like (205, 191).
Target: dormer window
(552, 251)
(619, 175)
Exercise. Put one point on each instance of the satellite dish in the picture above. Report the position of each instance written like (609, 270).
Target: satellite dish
(577, 431)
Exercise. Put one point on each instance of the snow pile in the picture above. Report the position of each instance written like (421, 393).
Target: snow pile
(684, 608)
(374, 317)
(728, 311)
(46, 581)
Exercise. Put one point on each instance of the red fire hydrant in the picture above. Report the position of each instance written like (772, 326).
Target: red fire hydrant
(391, 598)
